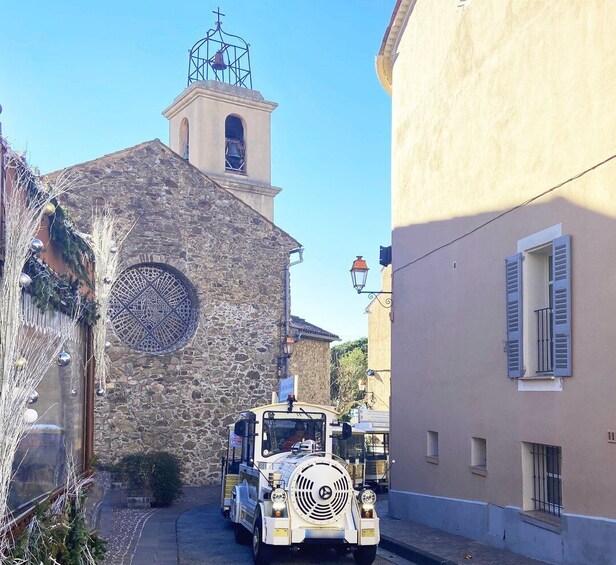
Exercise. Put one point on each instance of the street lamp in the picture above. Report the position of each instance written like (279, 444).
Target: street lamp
(359, 275)
(289, 346)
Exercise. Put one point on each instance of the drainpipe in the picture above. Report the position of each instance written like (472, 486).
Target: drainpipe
(287, 298)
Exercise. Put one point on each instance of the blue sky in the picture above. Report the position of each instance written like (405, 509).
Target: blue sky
(82, 79)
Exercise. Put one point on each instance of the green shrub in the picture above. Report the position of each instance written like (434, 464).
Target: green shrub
(157, 472)
(136, 471)
(166, 483)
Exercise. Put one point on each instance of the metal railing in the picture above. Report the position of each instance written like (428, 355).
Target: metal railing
(545, 349)
(547, 481)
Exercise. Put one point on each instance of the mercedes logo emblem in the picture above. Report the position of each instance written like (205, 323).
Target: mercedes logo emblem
(325, 492)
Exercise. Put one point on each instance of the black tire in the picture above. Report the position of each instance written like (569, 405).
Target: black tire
(262, 553)
(365, 555)
(242, 535)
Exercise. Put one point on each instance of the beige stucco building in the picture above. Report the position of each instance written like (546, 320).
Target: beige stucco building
(504, 221)
(379, 346)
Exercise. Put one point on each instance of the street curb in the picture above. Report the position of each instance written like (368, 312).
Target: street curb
(418, 556)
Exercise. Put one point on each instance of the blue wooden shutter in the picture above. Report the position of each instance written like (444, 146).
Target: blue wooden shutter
(513, 282)
(561, 300)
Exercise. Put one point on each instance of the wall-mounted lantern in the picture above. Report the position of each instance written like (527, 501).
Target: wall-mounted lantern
(359, 276)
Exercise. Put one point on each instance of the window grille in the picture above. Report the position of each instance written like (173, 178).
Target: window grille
(547, 480)
(545, 355)
(153, 309)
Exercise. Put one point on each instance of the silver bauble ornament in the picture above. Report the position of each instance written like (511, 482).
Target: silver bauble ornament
(107, 344)
(34, 396)
(113, 248)
(73, 392)
(24, 280)
(37, 246)
(49, 209)
(63, 359)
(20, 363)
(107, 280)
(100, 392)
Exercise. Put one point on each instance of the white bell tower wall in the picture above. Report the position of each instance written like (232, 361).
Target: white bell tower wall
(206, 105)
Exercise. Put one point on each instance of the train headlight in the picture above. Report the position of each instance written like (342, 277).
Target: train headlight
(367, 498)
(279, 499)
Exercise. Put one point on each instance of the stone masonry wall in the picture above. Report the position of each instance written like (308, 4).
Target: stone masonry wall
(310, 362)
(235, 260)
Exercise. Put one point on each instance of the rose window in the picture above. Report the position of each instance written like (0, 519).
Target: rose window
(153, 309)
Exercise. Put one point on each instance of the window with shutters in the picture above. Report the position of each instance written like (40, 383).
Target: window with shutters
(538, 310)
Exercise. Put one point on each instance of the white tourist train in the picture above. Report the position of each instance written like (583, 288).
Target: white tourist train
(283, 487)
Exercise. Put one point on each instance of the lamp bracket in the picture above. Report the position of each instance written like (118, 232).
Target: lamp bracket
(386, 303)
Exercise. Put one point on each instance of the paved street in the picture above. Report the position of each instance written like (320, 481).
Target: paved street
(192, 531)
(204, 537)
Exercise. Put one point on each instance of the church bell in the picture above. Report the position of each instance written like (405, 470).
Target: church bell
(233, 149)
(218, 64)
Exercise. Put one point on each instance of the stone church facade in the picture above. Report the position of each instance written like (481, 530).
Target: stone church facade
(198, 308)
(310, 362)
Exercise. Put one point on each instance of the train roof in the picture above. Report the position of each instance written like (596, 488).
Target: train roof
(297, 408)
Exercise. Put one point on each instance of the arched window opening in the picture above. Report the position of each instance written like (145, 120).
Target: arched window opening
(184, 139)
(235, 147)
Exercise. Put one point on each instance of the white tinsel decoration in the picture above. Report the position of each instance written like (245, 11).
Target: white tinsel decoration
(105, 247)
(23, 213)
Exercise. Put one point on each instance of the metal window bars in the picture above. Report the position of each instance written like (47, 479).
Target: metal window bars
(547, 480)
(545, 347)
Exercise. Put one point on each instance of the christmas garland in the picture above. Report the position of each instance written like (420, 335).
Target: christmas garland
(74, 250)
(48, 289)
(51, 291)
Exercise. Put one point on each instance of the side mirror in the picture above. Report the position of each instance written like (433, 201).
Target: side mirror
(347, 431)
(240, 428)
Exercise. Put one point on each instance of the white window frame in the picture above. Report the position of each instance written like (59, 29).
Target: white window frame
(533, 244)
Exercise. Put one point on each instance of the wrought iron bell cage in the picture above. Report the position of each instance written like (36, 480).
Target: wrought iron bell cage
(220, 56)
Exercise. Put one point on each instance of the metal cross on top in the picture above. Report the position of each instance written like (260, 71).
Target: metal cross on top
(220, 56)
(218, 14)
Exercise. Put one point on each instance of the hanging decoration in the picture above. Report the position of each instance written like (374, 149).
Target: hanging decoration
(63, 359)
(24, 280)
(25, 356)
(105, 249)
(74, 250)
(37, 246)
(61, 293)
(30, 416)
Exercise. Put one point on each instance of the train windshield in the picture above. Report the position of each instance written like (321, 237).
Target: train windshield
(282, 430)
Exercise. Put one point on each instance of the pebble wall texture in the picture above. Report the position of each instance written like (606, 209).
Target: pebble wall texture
(310, 363)
(235, 260)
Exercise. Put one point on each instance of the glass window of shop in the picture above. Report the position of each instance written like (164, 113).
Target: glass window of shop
(57, 437)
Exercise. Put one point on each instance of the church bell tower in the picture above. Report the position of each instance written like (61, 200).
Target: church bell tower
(220, 124)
